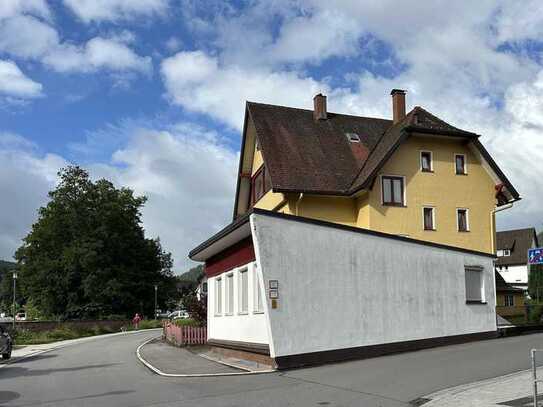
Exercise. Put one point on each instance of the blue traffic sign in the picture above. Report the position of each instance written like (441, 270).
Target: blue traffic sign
(535, 256)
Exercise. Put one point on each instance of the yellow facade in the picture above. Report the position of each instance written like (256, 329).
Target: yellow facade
(441, 189)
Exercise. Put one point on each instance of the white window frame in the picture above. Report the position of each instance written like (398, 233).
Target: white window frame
(258, 306)
(499, 253)
(431, 161)
(241, 290)
(434, 226)
(506, 252)
(468, 228)
(505, 302)
(480, 271)
(229, 294)
(404, 196)
(218, 296)
(465, 164)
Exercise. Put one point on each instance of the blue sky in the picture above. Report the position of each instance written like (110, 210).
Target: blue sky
(151, 93)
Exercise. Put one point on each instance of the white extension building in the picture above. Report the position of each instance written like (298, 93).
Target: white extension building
(300, 291)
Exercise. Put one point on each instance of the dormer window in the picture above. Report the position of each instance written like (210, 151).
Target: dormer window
(353, 137)
(506, 252)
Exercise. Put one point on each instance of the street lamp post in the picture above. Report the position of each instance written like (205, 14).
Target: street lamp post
(156, 290)
(14, 286)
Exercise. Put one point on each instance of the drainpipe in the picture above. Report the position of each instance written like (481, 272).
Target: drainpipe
(492, 222)
(298, 202)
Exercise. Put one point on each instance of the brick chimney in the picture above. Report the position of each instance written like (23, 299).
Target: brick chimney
(398, 105)
(319, 107)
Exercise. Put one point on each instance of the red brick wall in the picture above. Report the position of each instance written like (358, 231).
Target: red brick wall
(237, 255)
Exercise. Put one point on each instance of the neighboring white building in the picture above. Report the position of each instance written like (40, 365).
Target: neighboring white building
(302, 291)
(201, 289)
(512, 251)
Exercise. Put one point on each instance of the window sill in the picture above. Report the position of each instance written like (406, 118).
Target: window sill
(476, 302)
(243, 313)
(461, 173)
(397, 205)
(217, 315)
(228, 315)
(463, 231)
(430, 230)
(258, 312)
(427, 171)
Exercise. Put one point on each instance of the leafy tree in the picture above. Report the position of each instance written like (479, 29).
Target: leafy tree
(197, 308)
(535, 282)
(87, 255)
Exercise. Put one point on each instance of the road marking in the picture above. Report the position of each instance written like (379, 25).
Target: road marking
(161, 373)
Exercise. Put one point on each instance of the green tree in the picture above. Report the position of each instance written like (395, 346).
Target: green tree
(535, 282)
(87, 255)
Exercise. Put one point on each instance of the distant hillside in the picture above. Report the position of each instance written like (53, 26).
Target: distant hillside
(193, 275)
(7, 265)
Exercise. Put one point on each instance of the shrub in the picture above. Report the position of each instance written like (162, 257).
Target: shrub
(186, 322)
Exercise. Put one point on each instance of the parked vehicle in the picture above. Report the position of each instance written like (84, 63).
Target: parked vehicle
(162, 314)
(179, 314)
(6, 343)
(20, 316)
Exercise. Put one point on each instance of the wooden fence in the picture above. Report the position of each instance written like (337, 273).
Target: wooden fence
(184, 335)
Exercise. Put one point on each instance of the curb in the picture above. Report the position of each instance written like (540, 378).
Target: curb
(161, 373)
(63, 344)
(436, 397)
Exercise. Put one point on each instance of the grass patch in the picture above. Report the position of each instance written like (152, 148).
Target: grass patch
(62, 333)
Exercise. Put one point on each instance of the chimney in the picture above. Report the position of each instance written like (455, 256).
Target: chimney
(319, 107)
(398, 105)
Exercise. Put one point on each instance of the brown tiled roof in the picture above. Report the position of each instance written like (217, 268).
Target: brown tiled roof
(315, 156)
(518, 241)
(303, 154)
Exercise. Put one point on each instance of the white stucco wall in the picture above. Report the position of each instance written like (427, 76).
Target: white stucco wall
(514, 274)
(341, 289)
(251, 327)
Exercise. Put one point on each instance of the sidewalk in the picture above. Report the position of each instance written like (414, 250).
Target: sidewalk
(169, 360)
(513, 390)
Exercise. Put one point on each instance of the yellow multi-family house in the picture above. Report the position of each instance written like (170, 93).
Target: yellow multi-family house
(415, 176)
(354, 236)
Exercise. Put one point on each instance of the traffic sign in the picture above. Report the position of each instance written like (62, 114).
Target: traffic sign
(535, 256)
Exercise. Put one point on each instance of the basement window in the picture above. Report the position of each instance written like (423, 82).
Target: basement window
(474, 284)
(353, 137)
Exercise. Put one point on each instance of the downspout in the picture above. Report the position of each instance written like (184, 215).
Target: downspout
(492, 223)
(298, 202)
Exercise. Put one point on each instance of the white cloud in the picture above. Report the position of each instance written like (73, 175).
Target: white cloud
(186, 173)
(26, 177)
(14, 83)
(197, 82)
(11, 8)
(27, 37)
(114, 10)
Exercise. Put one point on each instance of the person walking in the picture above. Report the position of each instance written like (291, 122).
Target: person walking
(136, 321)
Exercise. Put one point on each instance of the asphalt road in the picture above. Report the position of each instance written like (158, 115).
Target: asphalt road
(105, 372)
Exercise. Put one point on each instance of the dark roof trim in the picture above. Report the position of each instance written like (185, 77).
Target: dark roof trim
(354, 229)
(403, 136)
(452, 133)
(242, 152)
(242, 220)
(486, 155)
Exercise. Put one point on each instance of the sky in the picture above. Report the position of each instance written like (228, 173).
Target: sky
(151, 93)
